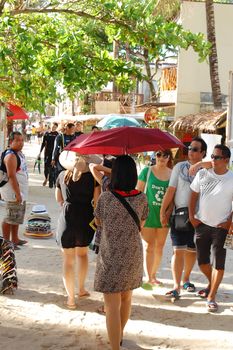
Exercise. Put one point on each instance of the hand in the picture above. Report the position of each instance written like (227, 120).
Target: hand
(194, 169)
(230, 231)
(53, 163)
(164, 219)
(18, 198)
(195, 222)
(226, 225)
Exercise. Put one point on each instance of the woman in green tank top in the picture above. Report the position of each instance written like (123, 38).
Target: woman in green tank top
(154, 181)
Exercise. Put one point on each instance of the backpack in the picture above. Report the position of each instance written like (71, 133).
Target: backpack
(3, 172)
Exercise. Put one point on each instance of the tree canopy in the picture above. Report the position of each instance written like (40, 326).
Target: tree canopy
(46, 45)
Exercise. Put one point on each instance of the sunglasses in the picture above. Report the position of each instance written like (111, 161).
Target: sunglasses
(216, 157)
(193, 149)
(164, 155)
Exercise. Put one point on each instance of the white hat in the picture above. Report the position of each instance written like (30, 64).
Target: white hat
(78, 163)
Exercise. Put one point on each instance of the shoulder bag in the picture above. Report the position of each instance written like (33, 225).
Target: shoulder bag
(129, 208)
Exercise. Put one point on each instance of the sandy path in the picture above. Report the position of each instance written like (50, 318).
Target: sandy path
(34, 317)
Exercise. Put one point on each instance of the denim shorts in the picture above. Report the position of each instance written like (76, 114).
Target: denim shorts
(182, 239)
(211, 240)
(15, 213)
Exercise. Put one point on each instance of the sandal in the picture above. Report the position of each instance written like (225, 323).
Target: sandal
(101, 310)
(190, 287)
(84, 295)
(203, 293)
(70, 306)
(212, 306)
(22, 242)
(173, 294)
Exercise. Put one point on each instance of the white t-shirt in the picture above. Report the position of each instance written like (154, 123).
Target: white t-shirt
(181, 180)
(7, 192)
(216, 195)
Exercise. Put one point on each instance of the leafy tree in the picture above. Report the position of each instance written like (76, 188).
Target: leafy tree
(44, 45)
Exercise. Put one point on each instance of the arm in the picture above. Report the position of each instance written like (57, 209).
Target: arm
(192, 207)
(97, 171)
(11, 166)
(167, 205)
(44, 142)
(227, 224)
(58, 196)
(195, 167)
(96, 195)
(140, 185)
(55, 150)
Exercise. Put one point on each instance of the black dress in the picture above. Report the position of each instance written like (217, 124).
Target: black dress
(74, 228)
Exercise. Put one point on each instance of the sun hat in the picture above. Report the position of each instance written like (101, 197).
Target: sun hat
(78, 163)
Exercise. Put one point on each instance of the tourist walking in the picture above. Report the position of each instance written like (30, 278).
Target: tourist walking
(75, 190)
(178, 192)
(154, 182)
(212, 219)
(121, 214)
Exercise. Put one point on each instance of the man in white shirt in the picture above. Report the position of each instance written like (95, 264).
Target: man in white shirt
(212, 190)
(15, 191)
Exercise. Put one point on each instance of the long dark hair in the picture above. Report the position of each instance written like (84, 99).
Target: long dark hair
(124, 174)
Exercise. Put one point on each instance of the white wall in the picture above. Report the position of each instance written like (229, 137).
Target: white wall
(193, 77)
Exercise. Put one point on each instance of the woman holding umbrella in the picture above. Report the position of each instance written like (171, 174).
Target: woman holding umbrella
(154, 181)
(121, 213)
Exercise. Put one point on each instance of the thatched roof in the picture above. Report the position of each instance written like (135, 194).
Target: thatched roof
(204, 122)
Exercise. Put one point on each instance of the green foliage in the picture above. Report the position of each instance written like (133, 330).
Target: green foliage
(68, 44)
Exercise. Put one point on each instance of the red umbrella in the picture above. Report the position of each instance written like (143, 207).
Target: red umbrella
(16, 111)
(124, 140)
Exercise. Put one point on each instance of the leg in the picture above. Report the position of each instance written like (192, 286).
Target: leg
(203, 243)
(81, 253)
(112, 303)
(14, 233)
(219, 257)
(160, 239)
(189, 261)
(126, 298)
(69, 274)
(148, 235)
(6, 230)
(177, 265)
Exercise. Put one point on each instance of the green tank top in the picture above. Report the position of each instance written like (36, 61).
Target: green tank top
(155, 192)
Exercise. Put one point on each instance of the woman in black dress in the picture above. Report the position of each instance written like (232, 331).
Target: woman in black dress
(75, 190)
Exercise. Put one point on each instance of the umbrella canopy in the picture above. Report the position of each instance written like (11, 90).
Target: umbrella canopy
(110, 122)
(124, 140)
(16, 112)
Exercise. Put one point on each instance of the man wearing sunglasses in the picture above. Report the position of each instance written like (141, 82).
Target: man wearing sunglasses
(178, 192)
(213, 190)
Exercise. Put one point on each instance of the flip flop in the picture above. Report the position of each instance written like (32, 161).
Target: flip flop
(212, 306)
(70, 306)
(203, 293)
(173, 294)
(22, 242)
(84, 295)
(190, 287)
(101, 310)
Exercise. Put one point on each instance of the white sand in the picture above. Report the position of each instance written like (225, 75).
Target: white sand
(34, 317)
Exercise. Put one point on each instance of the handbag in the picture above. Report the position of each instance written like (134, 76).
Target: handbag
(228, 242)
(181, 221)
(129, 208)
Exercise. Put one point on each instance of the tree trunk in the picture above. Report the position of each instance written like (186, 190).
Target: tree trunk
(115, 55)
(213, 57)
(149, 77)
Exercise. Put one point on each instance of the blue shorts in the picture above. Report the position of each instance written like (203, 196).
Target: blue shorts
(182, 240)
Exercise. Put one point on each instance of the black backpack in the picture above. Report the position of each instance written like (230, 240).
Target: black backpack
(3, 172)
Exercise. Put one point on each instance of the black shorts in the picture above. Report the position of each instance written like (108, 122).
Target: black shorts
(182, 240)
(208, 237)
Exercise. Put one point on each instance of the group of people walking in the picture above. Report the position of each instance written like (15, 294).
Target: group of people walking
(192, 200)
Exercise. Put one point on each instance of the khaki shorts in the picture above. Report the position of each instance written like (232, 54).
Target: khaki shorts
(15, 213)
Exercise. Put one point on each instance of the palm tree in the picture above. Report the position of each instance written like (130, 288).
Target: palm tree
(213, 57)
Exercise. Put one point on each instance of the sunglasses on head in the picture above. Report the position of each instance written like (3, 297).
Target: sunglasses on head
(160, 154)
(193, 149)
(216, 157)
